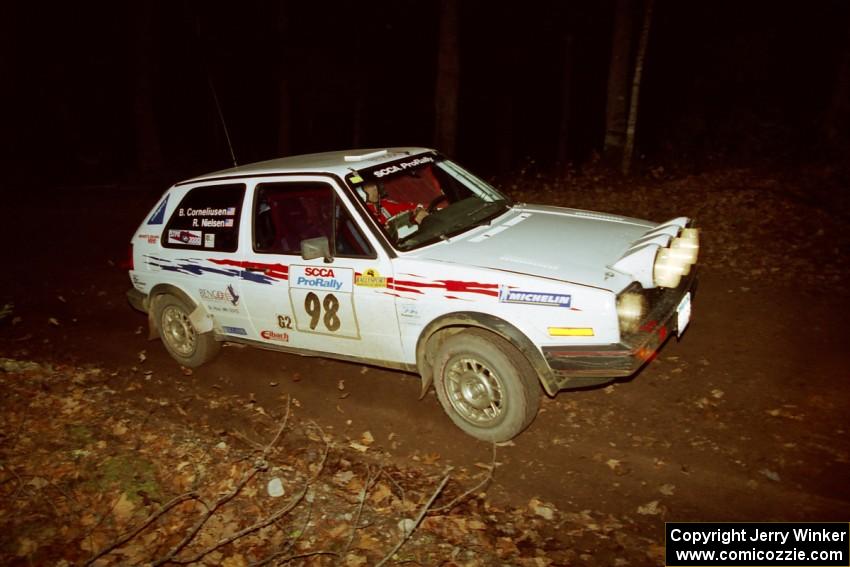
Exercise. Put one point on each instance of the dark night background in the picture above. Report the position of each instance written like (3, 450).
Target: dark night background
(724, 82)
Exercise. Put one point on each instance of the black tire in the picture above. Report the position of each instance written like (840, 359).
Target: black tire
(485, 385)
(181, 339)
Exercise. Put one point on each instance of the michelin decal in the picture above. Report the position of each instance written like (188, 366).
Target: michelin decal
(507, 295)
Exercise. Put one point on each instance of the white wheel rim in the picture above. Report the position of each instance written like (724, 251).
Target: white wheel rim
(177, 330)
(474, 391)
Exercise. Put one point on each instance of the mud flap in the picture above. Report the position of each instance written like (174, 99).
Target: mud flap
(426, 384)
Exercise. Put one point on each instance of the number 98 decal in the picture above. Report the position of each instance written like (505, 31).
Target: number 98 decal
(314, 309)
(325, 313)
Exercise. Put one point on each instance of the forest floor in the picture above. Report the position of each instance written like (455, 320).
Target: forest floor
(113, 455)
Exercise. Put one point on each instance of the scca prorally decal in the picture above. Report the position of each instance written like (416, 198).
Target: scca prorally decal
(321, 278)
(452, 286)
(190, 266)
(401, 166)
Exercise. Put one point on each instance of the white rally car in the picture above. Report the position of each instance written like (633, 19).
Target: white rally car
(401, 258)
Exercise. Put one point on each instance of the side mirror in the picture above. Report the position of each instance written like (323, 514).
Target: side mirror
(318, 247)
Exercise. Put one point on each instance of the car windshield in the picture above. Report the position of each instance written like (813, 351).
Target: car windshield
(418, 200)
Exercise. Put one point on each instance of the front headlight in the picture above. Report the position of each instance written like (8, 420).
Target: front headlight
(631, 309)
(675, 261)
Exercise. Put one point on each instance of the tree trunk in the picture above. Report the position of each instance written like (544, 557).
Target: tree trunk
(629, 149)
(360, 93)
(284, 99)
(837, 116)
(566, 102)
(618, 82)
(503, 93)
(148, 150)
(446, 89)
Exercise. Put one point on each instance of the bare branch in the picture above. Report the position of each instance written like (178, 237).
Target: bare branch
(250, 529)
(210, 511)
(488, 476)
(259, 465)
(290, 543)
(151, 519)
(396, 484)
(266, 448)
(370, 482)
(418, 519)
(280, 430)
(300, 556)
(249, 441)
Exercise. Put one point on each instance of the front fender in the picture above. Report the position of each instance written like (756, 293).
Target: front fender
(446, 325)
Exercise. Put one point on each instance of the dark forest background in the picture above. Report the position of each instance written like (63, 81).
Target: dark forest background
(121, 91)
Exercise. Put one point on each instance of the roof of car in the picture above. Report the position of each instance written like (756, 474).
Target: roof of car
(339, 163)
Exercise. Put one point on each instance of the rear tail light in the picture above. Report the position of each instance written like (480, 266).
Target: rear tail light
(128, 263)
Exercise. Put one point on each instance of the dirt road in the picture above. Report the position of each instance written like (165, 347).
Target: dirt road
(743, 419)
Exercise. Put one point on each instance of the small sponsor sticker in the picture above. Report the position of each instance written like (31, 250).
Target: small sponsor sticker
(370, 278)
(228, 295)
(275, 336)
(187, 237)
(209, 240)
(408, 311)
(284, 321)
(234, 330)
(150, 238)
(208, 212)
(216, 223)
(159, 214)
(507, 295)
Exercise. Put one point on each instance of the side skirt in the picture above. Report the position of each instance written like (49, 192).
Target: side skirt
(312, 353)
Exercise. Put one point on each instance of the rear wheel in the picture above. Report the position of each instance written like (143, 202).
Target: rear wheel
(181, 339)
(485, 385)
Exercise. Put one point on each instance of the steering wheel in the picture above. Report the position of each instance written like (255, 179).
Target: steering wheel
(432, 206)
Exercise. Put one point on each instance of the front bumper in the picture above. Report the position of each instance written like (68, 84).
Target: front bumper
(580, 366)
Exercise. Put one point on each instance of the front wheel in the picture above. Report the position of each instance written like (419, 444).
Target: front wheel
(181, 339)
(485, 385)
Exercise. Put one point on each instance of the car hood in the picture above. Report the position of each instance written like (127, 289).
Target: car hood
(570, 245)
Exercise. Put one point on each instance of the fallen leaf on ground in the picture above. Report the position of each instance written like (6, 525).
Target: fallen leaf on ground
(650, 509)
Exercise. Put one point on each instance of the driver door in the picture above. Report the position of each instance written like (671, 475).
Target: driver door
(337, 305)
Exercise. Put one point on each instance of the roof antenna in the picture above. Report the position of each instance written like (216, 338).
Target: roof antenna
(221, 118)
(206, 68)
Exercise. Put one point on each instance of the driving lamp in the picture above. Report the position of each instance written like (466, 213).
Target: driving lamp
(668, 269)
(631, 308)
(675, 261)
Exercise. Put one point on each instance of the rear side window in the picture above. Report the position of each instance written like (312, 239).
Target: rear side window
(287, 213)
(206, 219)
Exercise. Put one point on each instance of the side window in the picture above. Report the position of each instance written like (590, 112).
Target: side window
(287, 213)
(206, 219)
